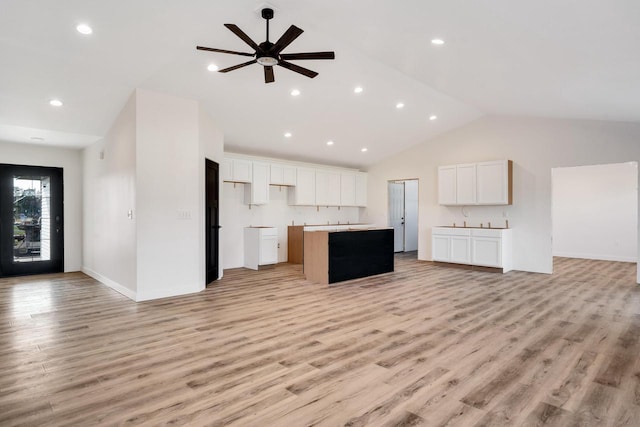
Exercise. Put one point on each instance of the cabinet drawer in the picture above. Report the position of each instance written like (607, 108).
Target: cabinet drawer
(446, 231)
(480, 232)
(269, 232)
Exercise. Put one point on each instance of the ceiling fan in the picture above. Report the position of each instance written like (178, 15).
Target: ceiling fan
(269, 54)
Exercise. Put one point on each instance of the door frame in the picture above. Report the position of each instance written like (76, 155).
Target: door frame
(212, 228)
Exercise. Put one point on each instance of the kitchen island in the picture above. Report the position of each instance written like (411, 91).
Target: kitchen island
(335, 256)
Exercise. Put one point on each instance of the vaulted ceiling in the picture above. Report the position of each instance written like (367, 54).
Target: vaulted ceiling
(548, 58)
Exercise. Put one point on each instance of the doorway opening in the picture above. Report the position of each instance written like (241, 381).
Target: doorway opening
(403, 215)
(31, 220)
(595, 212)
(212, 221)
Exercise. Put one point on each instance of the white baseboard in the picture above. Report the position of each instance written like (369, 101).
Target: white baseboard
(599, 257)
(110, 283)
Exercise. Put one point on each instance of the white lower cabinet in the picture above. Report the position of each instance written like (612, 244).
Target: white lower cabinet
(473, 246)
(260, 246)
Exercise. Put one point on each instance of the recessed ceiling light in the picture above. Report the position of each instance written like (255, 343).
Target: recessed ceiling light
(364, 149)
(84, 29)
(399, 105)
(37, 138)
(212, 67)
(55, 103)
(287, 134)
(433, 117)
(329, 142)
(295, 92)
(437, 42)
(358, 89)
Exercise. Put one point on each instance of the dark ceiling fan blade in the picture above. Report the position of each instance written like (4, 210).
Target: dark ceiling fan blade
(235, 67)
(298, 69)
(245, 38)
(290, 35)
(308, 55)
(268, 75)
(233, 52)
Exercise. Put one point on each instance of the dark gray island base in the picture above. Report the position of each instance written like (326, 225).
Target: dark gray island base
(335, 256)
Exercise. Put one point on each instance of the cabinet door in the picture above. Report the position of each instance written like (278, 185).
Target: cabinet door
(241, 170)
(288, 175)
(348, 189)
(461, 249)
(327, 188)
(304, 193)
(493, 181)
(269, 250)
(487, 251)
(466, 184)
(441, 248)
(361, 189)
(447, 185)
(259, 188)
(227, 170)
(276, 174)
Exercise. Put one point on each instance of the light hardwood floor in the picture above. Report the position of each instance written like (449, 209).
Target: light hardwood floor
(425, 345)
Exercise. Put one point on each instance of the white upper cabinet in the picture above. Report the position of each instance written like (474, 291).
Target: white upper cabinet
(304, 193)
(494, 182)
(236, 170)
(447, 185)
(348, 189)
(466, 184)
(361, 189)
(282, 175)
(257, 193)
(327, 188)
(227, 170)
(485, 183)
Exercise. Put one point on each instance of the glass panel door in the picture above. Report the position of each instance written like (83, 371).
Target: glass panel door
(31, 238)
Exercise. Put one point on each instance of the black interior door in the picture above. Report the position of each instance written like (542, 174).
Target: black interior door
(31, 220)
(212, 219)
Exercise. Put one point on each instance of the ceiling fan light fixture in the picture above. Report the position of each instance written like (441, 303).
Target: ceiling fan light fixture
(267, 61)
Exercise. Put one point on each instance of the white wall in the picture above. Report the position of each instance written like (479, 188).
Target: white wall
(154, 166)
(411, 218)
(235, 215)
(595, 212)
(167, 182)
(71, 162)
(109, 249)
(535, 146)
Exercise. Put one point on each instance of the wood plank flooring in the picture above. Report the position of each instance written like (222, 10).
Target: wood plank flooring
(425, 345)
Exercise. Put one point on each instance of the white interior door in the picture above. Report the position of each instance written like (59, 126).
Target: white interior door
(396, 214)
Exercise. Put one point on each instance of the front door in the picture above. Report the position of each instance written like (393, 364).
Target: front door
(31, 220)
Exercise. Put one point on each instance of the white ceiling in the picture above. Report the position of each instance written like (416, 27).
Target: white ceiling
(571, 59)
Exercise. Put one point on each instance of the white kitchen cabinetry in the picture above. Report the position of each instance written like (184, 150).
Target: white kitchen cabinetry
(282, 175)
(494, 182)
(474, 246)
(304, 193)
(260, 246)
(485, 183)
(327, 188)
(447, 185)
(361, 189)
(257, 193)
(466, 184)
(236, 170)
(347, 189)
